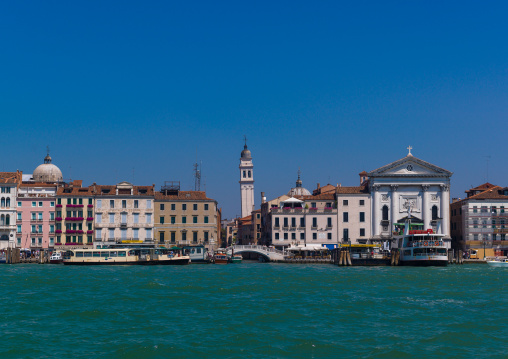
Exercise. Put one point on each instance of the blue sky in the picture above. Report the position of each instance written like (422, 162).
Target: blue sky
(134, 90)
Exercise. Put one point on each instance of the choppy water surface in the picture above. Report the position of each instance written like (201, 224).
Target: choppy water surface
(253, 310)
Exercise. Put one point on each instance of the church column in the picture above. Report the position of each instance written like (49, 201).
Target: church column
(445, 209)
(426, 217)
(394, 205)
(376, 212)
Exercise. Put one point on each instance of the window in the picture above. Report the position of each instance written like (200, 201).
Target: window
(184, 219)
(124, 203)
(59, 201)
(314, 236)
(362, 202)
(99, 203)
(345, 217)
(161, 236)
(135, 217)
(173, 207)
(195, 206)
(149, 203)
(285, 222)
(19, 216)
(362, 216)
(19, 228)
(302, 236)
(51, 216)
(39, 217)
(276, 222)
(51, 228)
(244, 174)
(286, 236)
(206, 219)
(74, 201)
(385, 213)
(329, 222)
(206, 206)
(184, 236)
(81, 201)
(34, 216)
(313, 205)
(195, 237)
(475, 209)
(135, 233)
(173, 219)
(68, 201)
(148, 218)
(52, 204)
(99, 217)
(293, 222)
(206, 236)
(148, 233)
(173, 237)
(89, 201)
(34, 204)
(293, 235)
(434, 213)
(345, 202)
(194, 219)
(345, 235)
(111, 218)
(161, 206)
(111, 203)
(184, 206)
(276, 235)
(19, 204)
(329, 236)
(302, 221)
(40, 204)
(249, 173)
(161, 220)
(136, 203)
(314, 222)
(51, 241)
(362, 232)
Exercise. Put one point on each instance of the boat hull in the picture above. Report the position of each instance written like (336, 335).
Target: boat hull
(182, 261)
(497, 264)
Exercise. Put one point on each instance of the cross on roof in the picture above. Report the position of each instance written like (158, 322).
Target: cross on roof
(409, 148)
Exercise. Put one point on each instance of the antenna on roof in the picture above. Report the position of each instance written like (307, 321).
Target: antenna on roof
(197, 175)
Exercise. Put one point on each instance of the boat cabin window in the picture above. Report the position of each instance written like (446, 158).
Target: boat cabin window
(113, 254)
(88, 254)
(121, 253)
(105, 254)
(96, 254)
(79, 254)
(198, 250)
(131, 253)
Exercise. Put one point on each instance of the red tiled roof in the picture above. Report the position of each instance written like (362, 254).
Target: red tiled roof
(322, 196)
(10, 177)
(352, 190)
(111, 190)
(491, 193)
(74, 191)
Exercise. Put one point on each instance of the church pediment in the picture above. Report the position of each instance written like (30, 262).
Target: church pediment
(410, 166)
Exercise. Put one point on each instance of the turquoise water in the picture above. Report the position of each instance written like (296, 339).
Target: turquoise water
(253, 310)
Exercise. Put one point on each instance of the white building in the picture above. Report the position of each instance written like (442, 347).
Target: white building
(9, 184)
(246, 182)
(409, 182)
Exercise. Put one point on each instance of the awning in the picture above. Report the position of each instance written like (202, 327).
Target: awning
(292, 200)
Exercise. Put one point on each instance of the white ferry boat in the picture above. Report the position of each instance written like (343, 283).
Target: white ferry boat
(498, 263)
(420, 247)
(124, 256)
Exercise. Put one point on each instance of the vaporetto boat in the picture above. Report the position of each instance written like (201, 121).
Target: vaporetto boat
(124, 256)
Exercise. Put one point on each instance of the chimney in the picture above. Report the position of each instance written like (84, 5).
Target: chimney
(318, 185)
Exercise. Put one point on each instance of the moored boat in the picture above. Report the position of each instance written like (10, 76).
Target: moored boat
(124, 256)
(220, 258)
(237, 258)
(498, 263)
(56, 258)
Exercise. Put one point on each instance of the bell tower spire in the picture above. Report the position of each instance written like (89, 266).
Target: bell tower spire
(246, 181)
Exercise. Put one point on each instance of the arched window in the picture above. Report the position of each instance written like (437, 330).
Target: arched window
(2, 202)
(8, 202)
(385, 213)
(7, 220)
(434, 213)
(2, 220)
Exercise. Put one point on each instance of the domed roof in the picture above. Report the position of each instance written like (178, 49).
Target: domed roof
(246, 155)
(47, 172)
(299, 190)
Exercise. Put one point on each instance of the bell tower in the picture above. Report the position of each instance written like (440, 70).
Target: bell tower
(246, 181)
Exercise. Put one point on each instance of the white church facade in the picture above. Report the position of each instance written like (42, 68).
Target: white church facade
(409, 182)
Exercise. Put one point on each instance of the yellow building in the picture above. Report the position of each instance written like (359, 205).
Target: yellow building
(186, 218)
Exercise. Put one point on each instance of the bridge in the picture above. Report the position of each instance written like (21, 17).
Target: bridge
(271, 254)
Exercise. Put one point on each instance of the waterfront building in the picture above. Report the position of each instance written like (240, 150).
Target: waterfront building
(36, 207)
(124, 213)
(74, 213)
(354, 214)
(230, 228)
(36, 213)
(266, 216)
(9, 185)
(186, 218)
(480, 221)
(409, 182)
(246, 181)
(249, 228)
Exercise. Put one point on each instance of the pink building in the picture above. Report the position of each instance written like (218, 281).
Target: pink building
(35, 221)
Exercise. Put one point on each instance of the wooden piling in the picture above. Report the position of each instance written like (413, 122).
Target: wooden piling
(348, 255)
